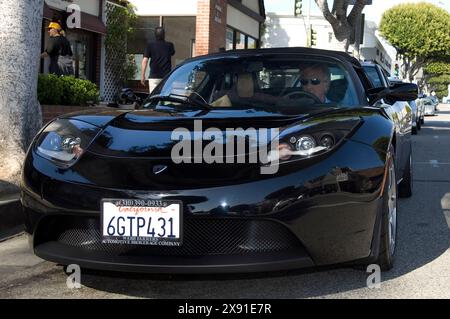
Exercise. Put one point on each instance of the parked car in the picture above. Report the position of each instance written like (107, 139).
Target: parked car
(435, 102)
(421, 110)
(430, 106)
(379, 78)
(417, 109)
(416, 124)
(136, 190)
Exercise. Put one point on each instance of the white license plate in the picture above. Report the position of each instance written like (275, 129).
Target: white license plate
(141, 222)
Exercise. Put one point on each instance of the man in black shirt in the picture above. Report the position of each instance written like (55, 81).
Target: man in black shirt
(59, 51)
(160, 55)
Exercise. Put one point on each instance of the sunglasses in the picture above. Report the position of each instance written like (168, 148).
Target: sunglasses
(305, 82)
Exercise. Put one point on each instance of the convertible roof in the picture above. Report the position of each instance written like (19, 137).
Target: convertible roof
(295, 50)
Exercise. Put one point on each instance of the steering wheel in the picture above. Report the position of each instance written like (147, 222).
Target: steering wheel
(302, 94)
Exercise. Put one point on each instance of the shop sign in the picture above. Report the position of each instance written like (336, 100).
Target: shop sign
(88, 6)
(218, 12)
(59, 4)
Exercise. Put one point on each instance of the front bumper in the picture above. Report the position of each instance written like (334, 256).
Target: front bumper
(318, 216)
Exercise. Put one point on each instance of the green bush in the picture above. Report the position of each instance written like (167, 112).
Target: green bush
(66, 90)
(50, 89)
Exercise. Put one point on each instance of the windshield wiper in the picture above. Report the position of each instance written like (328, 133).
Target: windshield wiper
(183, 99)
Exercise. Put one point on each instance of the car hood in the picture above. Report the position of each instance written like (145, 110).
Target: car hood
(133, 144)
(149, 133)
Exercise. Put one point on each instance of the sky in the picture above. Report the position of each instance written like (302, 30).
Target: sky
(373, 12)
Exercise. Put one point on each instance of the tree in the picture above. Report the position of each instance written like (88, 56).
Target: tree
(344, 26)
(437, 77)
(20, 115)
(420, 33)
(439, 67)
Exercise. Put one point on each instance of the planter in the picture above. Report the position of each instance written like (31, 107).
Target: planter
(50, 112)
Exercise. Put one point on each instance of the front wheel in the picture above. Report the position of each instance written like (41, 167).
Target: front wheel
(388, 236)
(406, 186)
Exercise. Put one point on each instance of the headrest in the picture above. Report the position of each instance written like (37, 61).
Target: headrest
(338, 90)
(245, 85)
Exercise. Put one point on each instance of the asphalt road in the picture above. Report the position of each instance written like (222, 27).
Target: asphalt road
(422, 268)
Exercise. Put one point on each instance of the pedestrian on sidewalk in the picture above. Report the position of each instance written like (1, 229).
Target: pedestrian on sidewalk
(59, 51)
(160, 53)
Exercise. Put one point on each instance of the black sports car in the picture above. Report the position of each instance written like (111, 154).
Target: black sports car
(240, 161)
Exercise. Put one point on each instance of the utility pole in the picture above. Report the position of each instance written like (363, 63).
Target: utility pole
(308, 23)
(359, 29)
(357, 52)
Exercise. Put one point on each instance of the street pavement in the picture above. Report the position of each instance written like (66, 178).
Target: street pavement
(422, 268)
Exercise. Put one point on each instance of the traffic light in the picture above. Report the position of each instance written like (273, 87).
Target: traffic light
(313, 36)
(396, 70)
(298, 8)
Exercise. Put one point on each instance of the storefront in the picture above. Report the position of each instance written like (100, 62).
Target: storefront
(86, 41)
(197, 27)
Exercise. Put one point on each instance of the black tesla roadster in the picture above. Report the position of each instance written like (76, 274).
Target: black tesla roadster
(240, 161)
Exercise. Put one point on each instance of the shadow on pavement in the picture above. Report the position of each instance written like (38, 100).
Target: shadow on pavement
(11, 215)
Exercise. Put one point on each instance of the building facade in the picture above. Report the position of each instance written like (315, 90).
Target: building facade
(86, 41)
(291, 31)
(375, 48)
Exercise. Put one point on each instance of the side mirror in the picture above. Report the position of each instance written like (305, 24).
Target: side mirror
(396, 93)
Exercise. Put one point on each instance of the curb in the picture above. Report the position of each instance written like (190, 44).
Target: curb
(11, 217)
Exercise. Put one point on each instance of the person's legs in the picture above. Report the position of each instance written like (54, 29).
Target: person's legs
(153, 83)
(54, 68)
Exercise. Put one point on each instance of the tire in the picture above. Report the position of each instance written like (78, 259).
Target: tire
(406, 186)
(388, 235)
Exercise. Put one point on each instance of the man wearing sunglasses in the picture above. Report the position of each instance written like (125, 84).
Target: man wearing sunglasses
(315, 79)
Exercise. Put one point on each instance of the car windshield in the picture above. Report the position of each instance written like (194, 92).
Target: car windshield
(272, 83)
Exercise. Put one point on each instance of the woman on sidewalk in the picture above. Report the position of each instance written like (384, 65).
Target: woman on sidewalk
(59, 51)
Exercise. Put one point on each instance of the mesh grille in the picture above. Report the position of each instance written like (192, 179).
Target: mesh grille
(201, 237)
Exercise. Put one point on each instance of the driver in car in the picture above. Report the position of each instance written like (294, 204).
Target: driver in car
(315, 79)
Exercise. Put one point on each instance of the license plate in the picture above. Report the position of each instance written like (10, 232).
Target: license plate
(141, 222)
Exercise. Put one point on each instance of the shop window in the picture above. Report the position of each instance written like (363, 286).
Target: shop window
(240, 41)
(251, 43)
(144, 32)
(180, 31)
(82, 44)
(229, 45)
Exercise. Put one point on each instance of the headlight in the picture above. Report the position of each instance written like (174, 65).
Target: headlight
(307, 140)
(64, 141)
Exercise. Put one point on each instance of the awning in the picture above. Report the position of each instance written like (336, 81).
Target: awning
(89, 22)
